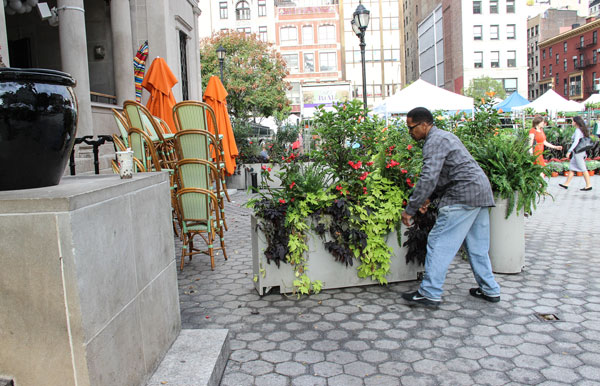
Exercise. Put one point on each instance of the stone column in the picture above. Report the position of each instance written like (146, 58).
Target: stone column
(120, 21)
(3, 38)
(74, 57)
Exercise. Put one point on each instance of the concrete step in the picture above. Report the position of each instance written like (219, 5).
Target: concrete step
(6, 382)
(196, 358)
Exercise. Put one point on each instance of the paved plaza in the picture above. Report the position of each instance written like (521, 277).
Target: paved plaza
(370, 336)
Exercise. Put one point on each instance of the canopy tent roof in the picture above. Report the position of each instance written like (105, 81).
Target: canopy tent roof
(594, 98)
(423, 94)
(515, 99)
(551, 101)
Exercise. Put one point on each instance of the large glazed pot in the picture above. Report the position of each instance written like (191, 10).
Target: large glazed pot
(38, 121)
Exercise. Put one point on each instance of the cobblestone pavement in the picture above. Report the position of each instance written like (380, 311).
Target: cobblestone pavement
(370, 336)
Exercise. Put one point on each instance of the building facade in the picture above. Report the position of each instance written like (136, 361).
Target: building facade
(414, 14)
(594, 8)
(569, 62)
(96, 41)
(249, 16)
(308, 38)
(384, 53)
(539, 28)
(535, 7)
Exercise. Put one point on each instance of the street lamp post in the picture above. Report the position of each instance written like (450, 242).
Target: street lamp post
(360, 22)
(221, 56)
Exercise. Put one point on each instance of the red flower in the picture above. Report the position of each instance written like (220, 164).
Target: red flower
(409, 183)
(281, 201)
(292, 184)
(250, 142)
(338, 187)
(409, 147)
(404, 203)
(292, 199)
(363, 176)
(369, 163)
(269, 169)
(404, 171)
(358, 164)
(364, 190)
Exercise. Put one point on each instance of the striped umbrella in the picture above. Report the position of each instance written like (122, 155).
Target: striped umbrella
(139, 67)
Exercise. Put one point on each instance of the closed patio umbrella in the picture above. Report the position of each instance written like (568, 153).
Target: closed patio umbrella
(159, 81)
(139, 68)
(214, 96)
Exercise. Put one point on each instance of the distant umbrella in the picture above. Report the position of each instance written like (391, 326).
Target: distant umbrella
(139, 68)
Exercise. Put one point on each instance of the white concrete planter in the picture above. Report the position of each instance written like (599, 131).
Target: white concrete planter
(321, 265)
(507, 239)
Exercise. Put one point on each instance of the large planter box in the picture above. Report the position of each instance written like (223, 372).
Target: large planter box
(321, 265)
(507, 239)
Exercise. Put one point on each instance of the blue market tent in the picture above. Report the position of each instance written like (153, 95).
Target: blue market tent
(515, 99)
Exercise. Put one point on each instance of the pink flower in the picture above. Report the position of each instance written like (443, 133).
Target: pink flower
(264, 167)
(295, 145)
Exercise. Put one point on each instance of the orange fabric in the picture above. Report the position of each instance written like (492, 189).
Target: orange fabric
(214, 96)
(539, 137)
(159, 81)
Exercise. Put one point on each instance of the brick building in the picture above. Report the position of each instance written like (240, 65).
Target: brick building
(569, 61)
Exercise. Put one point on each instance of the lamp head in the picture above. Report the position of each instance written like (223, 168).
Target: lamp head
(221, 52)
(361, 17)
(355, 28)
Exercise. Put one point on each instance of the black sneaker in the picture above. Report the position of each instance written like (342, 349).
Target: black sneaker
(416, 297)
(476, 292)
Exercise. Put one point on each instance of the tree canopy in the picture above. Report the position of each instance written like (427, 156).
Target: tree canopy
(253, 74)
(478, 87)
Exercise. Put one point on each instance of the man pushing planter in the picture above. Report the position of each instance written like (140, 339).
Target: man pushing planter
(451, 174)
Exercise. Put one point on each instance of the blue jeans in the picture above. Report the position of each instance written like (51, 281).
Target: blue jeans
(454, 224)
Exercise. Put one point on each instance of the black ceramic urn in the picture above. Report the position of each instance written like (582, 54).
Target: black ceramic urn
(38, 121)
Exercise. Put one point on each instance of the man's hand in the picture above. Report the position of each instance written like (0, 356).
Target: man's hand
(425, 206)
(406, 219)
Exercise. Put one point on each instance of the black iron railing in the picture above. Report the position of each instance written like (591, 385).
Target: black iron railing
(89, 140)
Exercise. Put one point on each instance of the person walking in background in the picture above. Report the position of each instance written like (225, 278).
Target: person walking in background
(537, 134)
(577, 163)
(450, 173)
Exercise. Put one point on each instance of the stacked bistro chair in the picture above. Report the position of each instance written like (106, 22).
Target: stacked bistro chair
(140, 118)
(121, 142)
(199, 208)
(194, 115)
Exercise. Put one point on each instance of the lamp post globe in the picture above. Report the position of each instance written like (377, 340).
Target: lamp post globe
(360, 22)
(221, 56)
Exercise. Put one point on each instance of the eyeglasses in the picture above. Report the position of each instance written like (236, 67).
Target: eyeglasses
(413, 126)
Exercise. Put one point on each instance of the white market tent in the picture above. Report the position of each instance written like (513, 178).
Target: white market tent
(594, 98)
(552, 102)
(423, 94)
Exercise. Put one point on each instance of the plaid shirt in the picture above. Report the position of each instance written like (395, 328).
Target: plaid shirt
(449, 172)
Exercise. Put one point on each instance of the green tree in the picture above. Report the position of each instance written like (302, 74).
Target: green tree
(253, 74)
(478, 87)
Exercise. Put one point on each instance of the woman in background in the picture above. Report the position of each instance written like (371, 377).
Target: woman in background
(577, 163)
(537, 134)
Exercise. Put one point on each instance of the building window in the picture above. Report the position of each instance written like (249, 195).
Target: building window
(510, 31)
(581, 60)
(245, 30)
(291, 61)
(494, 32)
(565, 86)
(537, 29)
(477, 34)
(565, 65)
(242, 10)
(511, 58)
(327, 61)
(510, 85)
(262, 7)
(565, 47)
(536, 60)
(574, 62)
(309, 62)
(478, 55)
(544, 54)
(308, 37)
(495, 59)
(223, 10)
(510, 6)
(575, 89)
(543, 72)
(326, 33)
(493, 6)
(550, 53)
(477, 7)
(557, 59)
(594, 56)
(288, 35)
(550, 70)
(262, 33)
(595, 37)
(581, 41)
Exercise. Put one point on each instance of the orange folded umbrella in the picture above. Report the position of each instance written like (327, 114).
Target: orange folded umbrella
(214, 96)
(159, 81)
